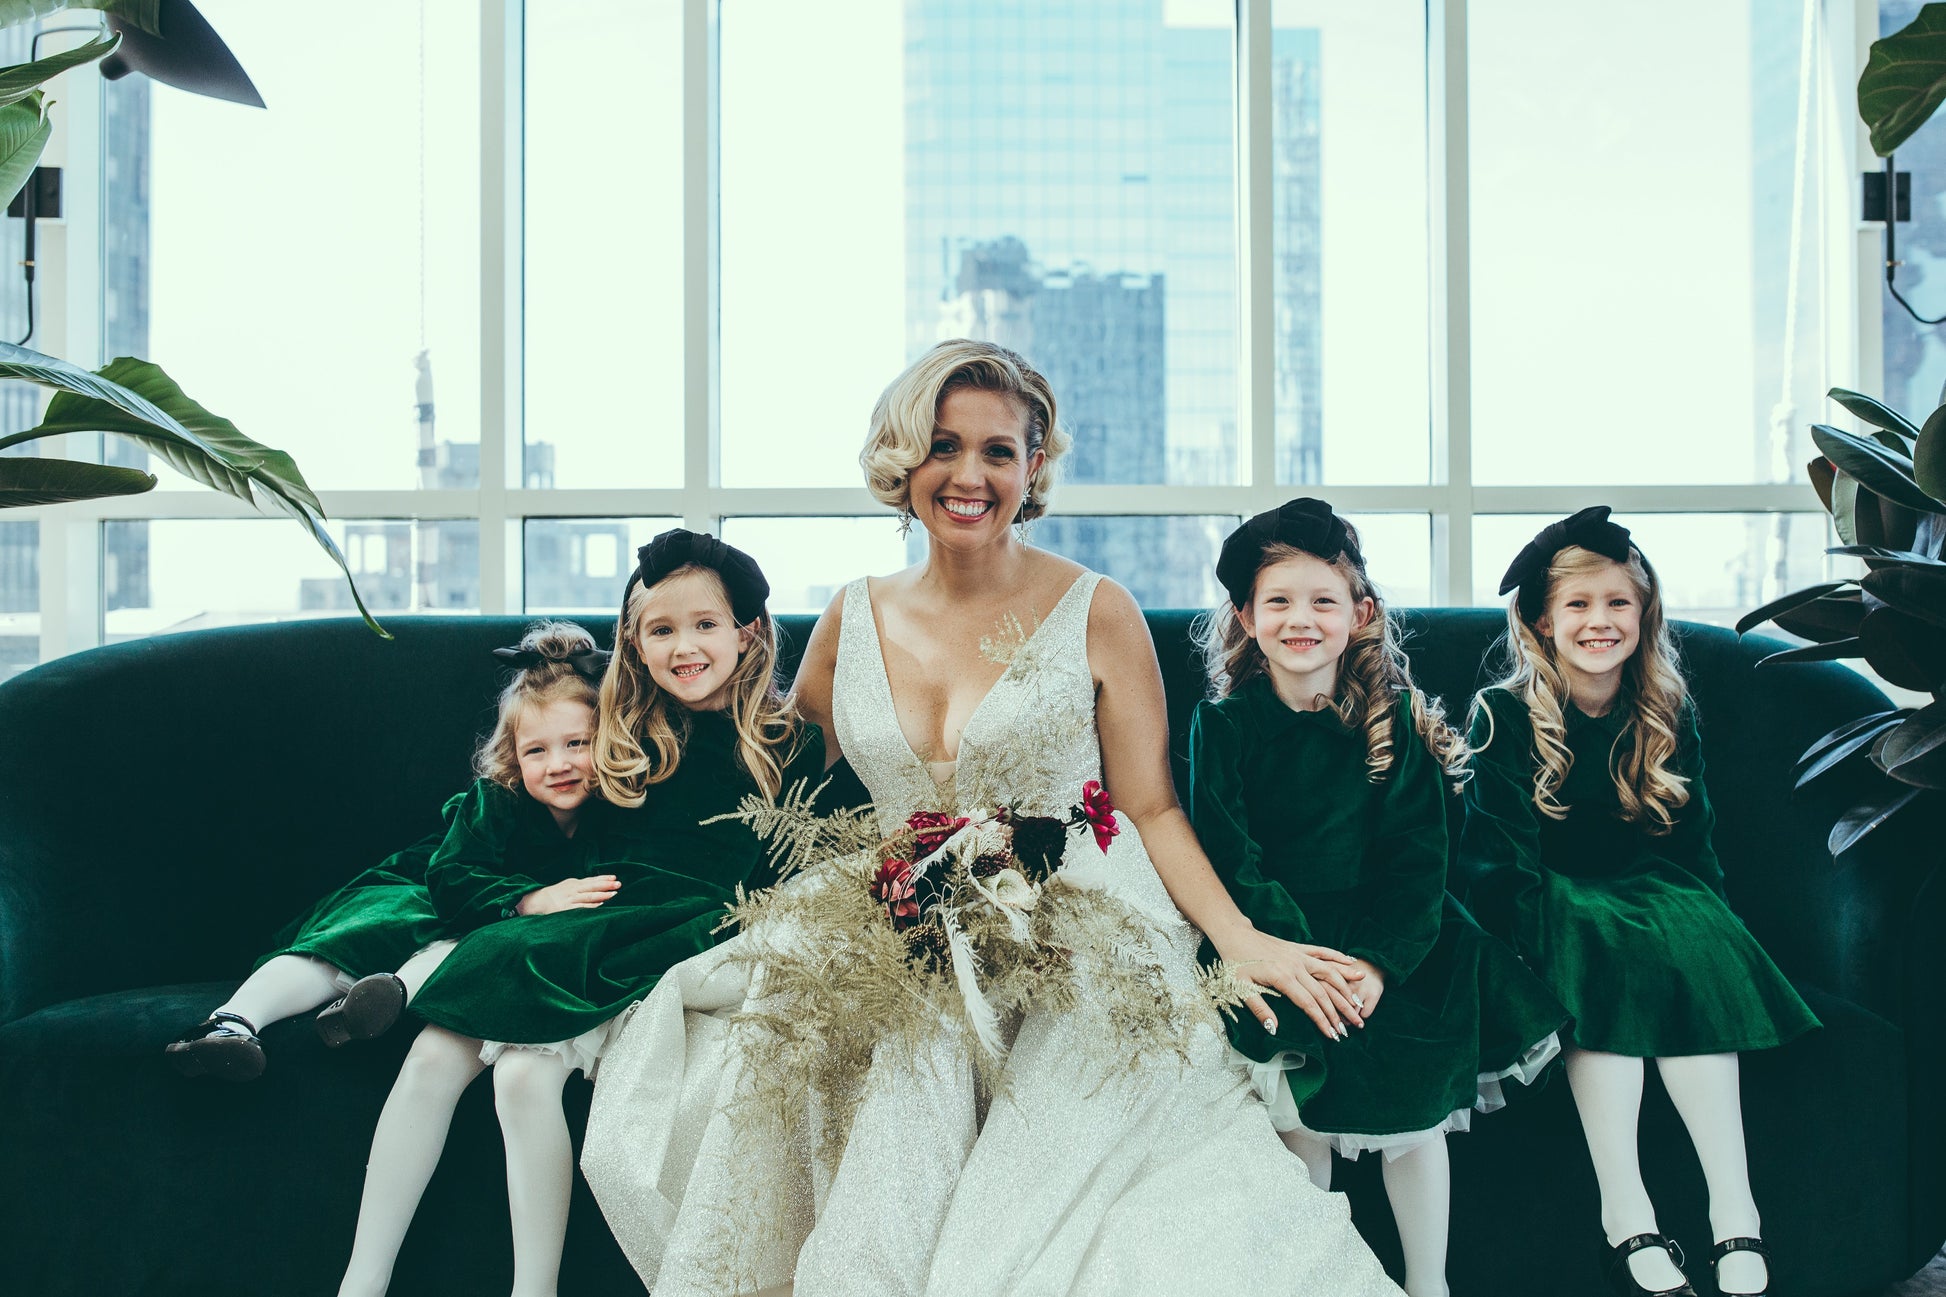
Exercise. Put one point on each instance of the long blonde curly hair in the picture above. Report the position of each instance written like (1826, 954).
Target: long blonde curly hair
(640, 736)
(551, 680)
(1643, 759)
(1371, 674)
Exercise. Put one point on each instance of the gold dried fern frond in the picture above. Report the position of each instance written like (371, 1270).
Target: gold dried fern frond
(1007, 641)
(1226, 988)
(796, 833)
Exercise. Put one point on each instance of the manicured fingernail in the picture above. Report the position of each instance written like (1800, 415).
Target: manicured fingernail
(1270, 1025)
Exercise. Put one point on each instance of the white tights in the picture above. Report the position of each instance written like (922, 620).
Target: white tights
(1704, 1088)
(288, 985)
(411, 1135)
(1418, 1183)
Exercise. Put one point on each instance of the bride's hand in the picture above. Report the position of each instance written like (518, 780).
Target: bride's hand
(1317, 979)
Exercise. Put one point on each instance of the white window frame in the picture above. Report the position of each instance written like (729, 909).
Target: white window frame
(70, 535)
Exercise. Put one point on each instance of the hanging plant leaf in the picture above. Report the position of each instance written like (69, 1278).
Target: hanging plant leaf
(146, 14)
(1893, 557)
(1920, 592)
(1820, 471)
(1784, 603)
(28, 481)
(22, 79)
(1874, 412)
(1841, 744)
(1904, 649)
(1904, 80)
(1917, 747)
(1884, 471)
(1831, 652)
(1868, 815)
(1833, 617)
(1929, 456)
(24, 132)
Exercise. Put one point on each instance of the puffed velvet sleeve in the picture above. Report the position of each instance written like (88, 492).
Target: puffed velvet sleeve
(1222, 824)
(1691, 844)
(1406, 860)
(1499, 852)
(467, 875)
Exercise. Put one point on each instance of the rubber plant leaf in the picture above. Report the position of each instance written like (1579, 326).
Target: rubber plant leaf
(1833, 617)
(1904, 79)
(1874, 412)
(1876, 467)
(1842, 743)
(1919, 592)
(1929, 456)
(1758, 616)
(1888, 557)
(24, 132)
(1868, 815)
(1904, 649)
(25, 481)
(19, 80)
(1831, 652)
(1820, 472)
(1921, 739)
(1844, 507)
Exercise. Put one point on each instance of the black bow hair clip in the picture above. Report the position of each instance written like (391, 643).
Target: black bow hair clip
(1589, 528)
(679, 547)
(1305, 523)
(589, 665)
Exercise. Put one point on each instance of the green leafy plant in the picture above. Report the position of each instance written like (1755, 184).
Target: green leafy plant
(128, 398)
(1886, 493)
(1904, 80)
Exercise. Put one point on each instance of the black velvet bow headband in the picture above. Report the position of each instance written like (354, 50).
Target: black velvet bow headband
(678, 548)
(1590, 529)
(589, 665)
(1304, 523)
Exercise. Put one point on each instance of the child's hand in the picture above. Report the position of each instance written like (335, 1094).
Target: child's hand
(1312, 977)
(570, 894)
(1371, 986)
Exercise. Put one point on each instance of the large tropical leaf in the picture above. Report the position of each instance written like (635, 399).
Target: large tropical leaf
(1915, 752)
(1820, 472)
(1796, 598)
(145, 14)
(27, 481)
(1904, 80)
(1920, 592)
(22, 79)
(1830, 652)
(1861, 819)
(1845, 493)
(1874, 412)
(1879, 468)
(1891, 557)
(1833, 617)
(1929, 456)
(1905, 650)
(1842, 743)
(24, 132)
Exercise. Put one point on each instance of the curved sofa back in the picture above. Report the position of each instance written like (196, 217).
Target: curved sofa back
(167, 804)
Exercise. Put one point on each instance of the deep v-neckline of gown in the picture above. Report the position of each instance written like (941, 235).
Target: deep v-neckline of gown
(884, 676)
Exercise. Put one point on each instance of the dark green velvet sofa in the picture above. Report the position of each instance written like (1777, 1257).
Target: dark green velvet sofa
(166, 805)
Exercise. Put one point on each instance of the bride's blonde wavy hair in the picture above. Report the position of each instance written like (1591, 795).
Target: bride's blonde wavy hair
(641, 731)
(1371, 673)
(1642, 760)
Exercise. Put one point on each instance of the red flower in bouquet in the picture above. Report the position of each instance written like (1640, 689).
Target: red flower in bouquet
(931, 829)
(892, 887)
(1098, 812)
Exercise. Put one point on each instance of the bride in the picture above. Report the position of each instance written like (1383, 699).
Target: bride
(1088, 1174)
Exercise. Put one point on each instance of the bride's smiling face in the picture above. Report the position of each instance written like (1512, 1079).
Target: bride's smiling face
(971, 483)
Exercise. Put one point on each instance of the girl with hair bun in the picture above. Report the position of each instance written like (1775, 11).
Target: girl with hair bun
(373, 943)
(688, 722)
(1587, 845)
(1317, 784)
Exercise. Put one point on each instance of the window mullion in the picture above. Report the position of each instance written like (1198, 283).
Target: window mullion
(700, 462)
(1256, 251)
(1452, 358)
(502, 25)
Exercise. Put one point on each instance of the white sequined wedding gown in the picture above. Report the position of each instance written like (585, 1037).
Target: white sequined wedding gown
(1080, 1179)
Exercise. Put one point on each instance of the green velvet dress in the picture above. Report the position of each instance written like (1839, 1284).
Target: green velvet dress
(550, 978)
(1314, 851)
(376, 921)
(1629, 928)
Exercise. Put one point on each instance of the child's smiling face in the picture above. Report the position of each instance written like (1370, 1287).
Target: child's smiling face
(689, 640)
(1302, 616)
(1594, 621)
(556, 748)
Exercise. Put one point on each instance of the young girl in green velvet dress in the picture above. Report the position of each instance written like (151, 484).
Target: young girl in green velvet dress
(1318, 778)
(372, 943)
(1587, 844)
(690, 722)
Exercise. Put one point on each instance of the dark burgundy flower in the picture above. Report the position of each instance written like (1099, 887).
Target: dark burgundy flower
(892, 887)
(990, 863)
(926, 946)
(1098, 812)
(1039, 842)
(931, 829)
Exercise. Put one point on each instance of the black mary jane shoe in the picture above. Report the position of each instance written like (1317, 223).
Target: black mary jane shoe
(1622, 1279)
(368, 1009)
(1741, 1244)
(223, 1045)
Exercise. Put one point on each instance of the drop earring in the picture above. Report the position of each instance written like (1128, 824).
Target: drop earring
(905, 523)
